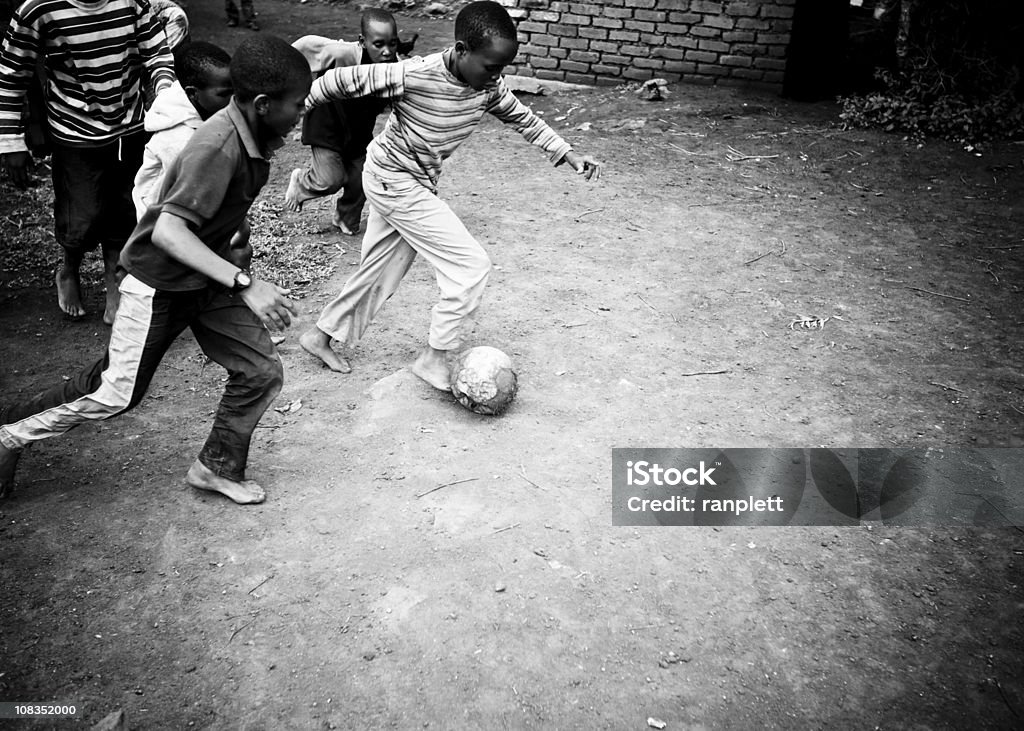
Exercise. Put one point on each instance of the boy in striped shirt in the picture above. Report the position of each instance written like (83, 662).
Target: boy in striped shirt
(437, 103)
(98, 56)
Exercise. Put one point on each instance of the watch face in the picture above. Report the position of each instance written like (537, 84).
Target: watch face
(242, 280)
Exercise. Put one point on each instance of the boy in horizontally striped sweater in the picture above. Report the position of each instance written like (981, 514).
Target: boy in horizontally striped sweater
(437, 102)
(98, 56)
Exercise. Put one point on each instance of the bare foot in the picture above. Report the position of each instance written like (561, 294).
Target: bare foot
(69, 292)
(8, 465)
(246, 492)
(340, 225)
(291, 195)
(432, 367)
(316, 342)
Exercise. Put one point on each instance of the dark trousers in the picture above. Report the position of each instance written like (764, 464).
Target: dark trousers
(248, 12)
(92, 193)
(147, 322)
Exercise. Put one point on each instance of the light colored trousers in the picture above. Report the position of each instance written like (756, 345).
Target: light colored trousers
(407, 219)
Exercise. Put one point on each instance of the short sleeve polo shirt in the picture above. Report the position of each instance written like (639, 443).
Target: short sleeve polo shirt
(211, 184)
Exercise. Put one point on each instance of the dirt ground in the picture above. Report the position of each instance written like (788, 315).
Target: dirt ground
(363, 594)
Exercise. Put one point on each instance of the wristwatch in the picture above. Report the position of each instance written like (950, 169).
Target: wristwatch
(242, 281)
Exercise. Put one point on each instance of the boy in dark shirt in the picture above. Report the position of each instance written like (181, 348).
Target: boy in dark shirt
(338, 133)
(180, 275)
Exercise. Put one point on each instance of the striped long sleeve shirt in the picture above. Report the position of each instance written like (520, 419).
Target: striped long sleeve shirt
(433, 113)
(98, 57)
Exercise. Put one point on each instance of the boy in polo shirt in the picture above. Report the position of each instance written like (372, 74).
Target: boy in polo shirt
(180, 275)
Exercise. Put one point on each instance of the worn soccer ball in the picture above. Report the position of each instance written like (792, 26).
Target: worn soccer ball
(483, 380)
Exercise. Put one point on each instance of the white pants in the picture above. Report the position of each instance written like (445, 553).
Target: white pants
(407, 219)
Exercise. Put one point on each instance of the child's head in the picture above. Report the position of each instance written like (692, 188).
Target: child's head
(378, 35)
(272, 79)
(485, 43)
(202, 70)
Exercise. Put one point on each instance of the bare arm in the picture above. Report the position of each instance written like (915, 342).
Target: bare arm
(269, 302)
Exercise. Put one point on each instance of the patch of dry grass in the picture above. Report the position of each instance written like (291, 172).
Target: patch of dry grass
(288, 251)
(285, 251)
(28, 251)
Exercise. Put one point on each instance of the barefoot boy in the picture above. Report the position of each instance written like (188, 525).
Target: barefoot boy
(438, 101)
(179, 275)
(94, 107)
(339, 132)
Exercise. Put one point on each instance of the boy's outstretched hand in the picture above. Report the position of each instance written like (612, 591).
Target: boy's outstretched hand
(270, 303)
(584, 165)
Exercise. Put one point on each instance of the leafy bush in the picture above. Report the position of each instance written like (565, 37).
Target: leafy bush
(957, 78)
(909, 104)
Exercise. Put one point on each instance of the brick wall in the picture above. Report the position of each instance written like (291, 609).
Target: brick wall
(607, 42)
